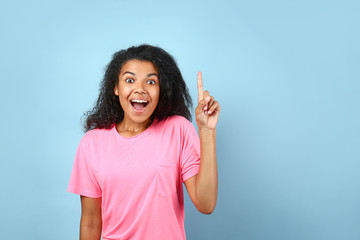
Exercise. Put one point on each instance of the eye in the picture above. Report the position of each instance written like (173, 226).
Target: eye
(151, 82)
(129, 80)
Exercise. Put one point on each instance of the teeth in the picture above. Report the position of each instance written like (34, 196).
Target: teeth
(139, 101)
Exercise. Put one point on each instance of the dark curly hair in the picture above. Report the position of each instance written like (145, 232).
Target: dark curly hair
(174, 97)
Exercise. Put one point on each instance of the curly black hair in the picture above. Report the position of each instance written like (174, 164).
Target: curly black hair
(174, 96)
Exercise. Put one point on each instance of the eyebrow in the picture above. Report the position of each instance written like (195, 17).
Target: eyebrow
(149, 75)
(129, 73)
(152, 74)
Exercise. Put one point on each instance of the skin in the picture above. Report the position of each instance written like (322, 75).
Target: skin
(203, 187)
(137, 80)
(91, 221)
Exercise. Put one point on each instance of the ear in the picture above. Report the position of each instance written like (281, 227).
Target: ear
(116, 90)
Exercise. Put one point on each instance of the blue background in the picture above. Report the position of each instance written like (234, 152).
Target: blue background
(285, 72)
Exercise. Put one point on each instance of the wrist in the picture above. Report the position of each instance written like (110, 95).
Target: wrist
(207, 131)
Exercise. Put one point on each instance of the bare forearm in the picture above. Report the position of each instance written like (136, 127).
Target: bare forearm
(90, 230)
(207, 179)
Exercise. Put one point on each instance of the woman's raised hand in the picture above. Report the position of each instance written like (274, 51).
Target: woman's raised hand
(208, 110)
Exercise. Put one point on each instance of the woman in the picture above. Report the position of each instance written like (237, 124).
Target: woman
(140, 147)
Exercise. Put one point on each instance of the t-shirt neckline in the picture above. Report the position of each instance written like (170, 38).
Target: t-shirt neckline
(137, 135)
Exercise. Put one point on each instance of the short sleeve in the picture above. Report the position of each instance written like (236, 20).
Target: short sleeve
(83, 180)
(190, 157)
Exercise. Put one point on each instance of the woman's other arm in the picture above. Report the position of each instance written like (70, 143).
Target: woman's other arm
(91, 222)
(203, 187)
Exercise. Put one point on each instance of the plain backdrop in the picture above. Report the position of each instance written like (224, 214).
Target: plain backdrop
(286, 74)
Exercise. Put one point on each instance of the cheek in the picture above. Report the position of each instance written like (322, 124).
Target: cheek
(156, 95)
(123, 103)
(124, 91)
(123, 95)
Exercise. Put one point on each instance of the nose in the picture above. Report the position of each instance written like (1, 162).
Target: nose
(139, 88)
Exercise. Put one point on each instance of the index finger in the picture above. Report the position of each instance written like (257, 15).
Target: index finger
(200, 86)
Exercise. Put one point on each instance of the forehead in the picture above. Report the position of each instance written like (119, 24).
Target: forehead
(138, 67)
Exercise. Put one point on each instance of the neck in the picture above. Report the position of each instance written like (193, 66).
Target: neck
(130, 128)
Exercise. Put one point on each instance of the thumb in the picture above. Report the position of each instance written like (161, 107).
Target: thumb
(203, 104)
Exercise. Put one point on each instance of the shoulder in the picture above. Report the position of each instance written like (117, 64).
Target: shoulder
(95, 136)
(177, 120)
(177, 123)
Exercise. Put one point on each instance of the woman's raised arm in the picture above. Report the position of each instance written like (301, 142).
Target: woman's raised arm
(203, 187)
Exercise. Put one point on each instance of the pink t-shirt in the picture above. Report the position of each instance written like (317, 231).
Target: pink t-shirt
(139, 178)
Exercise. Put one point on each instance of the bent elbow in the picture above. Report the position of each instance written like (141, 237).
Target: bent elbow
(209, 210)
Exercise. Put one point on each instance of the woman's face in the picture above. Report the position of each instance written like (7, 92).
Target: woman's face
(138, 90)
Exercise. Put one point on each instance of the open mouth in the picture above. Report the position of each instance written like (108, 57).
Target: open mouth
(139, 105)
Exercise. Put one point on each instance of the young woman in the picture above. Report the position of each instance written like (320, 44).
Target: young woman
(140, 147)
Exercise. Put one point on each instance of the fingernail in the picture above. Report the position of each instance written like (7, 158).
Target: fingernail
(207, 99)
(206, 112)
(205, 108)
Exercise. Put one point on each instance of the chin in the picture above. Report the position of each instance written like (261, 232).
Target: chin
(138, 118)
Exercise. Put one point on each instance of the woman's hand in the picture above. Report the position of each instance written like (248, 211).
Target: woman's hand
(208, 110)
